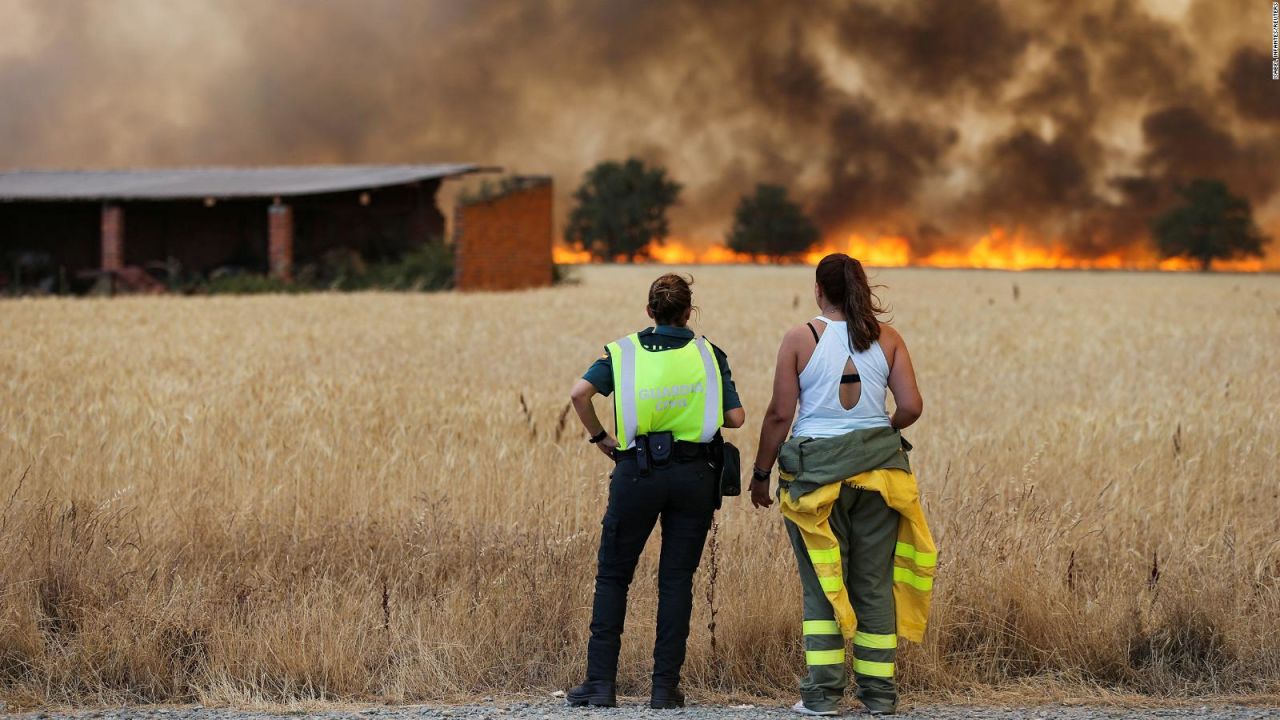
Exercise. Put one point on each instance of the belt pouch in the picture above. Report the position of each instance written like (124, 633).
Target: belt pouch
(730, 471)
(662, 446)
(642, 455)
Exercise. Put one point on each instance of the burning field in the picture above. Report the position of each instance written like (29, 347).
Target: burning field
(996, 250)
(385, 497)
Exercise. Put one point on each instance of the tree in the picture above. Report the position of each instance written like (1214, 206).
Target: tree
(769, 224)
(1211, 224)
(621, 208)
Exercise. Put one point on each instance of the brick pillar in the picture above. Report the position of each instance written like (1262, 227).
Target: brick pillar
(280, 240)
(112, 237)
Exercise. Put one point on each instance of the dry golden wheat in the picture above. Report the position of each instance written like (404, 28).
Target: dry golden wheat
(380, 496)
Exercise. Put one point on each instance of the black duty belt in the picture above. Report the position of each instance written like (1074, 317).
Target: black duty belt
(657, 450)
(682, 451)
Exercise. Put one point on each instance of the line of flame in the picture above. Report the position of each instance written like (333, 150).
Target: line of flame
(997, 249)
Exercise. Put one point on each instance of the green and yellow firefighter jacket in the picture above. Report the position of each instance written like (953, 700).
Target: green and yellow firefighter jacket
(813, 470)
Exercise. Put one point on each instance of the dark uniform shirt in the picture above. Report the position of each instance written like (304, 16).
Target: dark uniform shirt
(657, 339)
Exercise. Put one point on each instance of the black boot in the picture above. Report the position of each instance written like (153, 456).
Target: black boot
(666, 698)
(596, 693)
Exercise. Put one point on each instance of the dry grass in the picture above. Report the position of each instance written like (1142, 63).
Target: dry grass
(380, 497)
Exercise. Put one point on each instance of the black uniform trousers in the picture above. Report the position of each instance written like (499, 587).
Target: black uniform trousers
(683, 497)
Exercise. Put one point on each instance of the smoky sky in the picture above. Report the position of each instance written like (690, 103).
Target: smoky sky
(1073, 120)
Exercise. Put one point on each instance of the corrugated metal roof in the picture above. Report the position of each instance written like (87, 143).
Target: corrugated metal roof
(218, 182)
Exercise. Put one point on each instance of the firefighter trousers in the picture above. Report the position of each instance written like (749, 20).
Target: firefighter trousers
(867, 530)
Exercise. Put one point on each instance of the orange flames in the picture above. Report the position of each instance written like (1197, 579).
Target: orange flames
(562, 255)
(672, 252)
(998, 249)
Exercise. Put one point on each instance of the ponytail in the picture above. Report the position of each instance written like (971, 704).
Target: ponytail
(844, 282)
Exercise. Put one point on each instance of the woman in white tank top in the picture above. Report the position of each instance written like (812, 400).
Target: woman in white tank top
(822, 412)
(837, 370)
(834, 372)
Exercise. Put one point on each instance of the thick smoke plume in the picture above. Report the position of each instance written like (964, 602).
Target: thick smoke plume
(936, 121)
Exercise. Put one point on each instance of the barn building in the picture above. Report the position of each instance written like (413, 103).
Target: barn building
(85, 225)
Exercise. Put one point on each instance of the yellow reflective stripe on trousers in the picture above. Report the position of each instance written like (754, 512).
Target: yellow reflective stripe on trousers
(821, 627)
(872, 668)
(824, 557)
(921, 559)
(903, 575)
(824, 657)
(832, 584)
(874, 641)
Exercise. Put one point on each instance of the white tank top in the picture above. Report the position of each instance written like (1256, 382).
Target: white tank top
(821, 414)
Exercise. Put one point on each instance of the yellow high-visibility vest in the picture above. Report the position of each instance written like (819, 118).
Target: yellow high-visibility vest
(677, 391)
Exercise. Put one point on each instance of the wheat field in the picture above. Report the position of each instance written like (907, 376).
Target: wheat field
(382, 497)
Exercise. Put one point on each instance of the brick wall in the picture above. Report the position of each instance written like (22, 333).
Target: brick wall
(504, 243)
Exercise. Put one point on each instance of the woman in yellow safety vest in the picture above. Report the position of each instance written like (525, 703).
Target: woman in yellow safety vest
(863, 550)
(672, 394)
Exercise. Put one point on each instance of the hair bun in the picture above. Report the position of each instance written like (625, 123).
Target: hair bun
(670, 297)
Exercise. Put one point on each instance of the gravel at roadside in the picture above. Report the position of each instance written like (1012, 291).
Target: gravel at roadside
(556, 710)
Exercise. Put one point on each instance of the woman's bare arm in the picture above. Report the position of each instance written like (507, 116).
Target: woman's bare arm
(902, 381)
(581, 395)
(781, 411)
